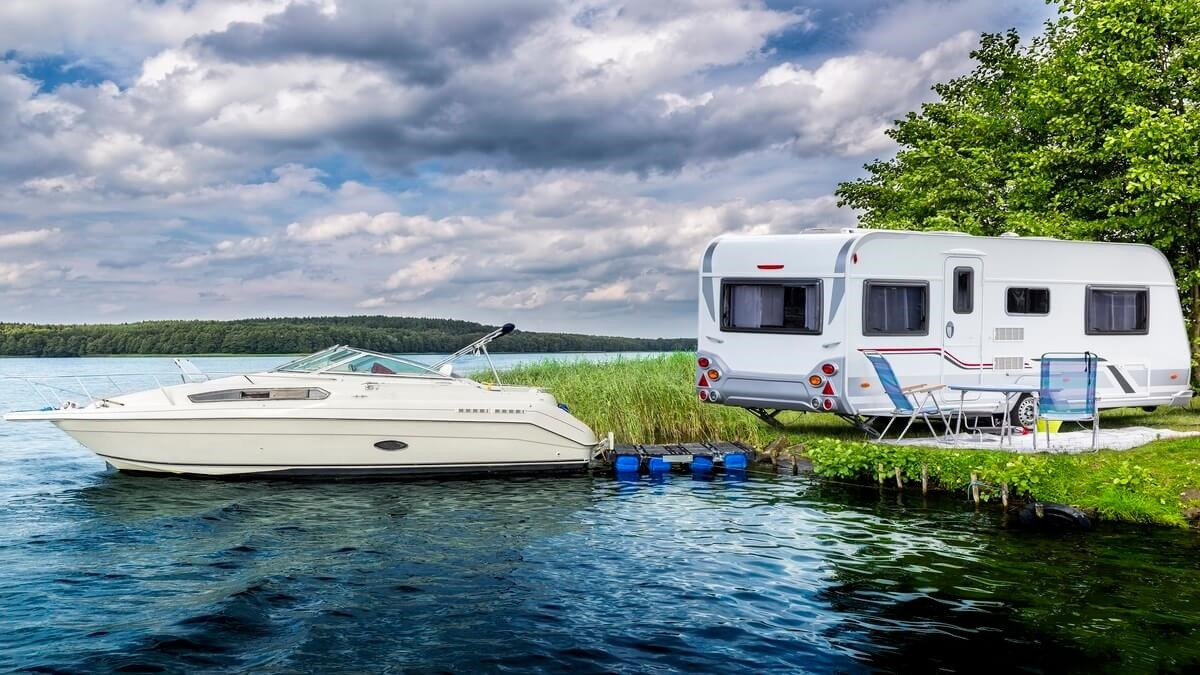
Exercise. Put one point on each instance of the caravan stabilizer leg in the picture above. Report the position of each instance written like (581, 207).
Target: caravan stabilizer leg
(768, 416)
(859, 422)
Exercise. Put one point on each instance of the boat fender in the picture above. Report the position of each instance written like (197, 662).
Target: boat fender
(1043, 515)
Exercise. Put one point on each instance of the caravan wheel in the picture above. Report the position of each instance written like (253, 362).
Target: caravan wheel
(1024, 412)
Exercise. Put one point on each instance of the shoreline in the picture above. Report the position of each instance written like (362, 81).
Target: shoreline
(653, 401)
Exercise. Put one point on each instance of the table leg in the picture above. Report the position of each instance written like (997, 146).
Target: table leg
(1037, 410)
(1005, 426)
(962, 398)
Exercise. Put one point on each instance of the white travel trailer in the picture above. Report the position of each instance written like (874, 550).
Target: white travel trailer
(785, 319)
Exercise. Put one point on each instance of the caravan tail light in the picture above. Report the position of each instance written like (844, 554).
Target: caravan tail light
(703, 395)
(827, 404)
(713, 397)
(815, 380)
(829, 369)
(713, 374)
(703, 362)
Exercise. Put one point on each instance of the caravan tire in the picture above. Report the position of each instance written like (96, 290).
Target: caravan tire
(1024, 412)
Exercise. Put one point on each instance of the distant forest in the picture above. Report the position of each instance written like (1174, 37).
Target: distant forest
(396, 335)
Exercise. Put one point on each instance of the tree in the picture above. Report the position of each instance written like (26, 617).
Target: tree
(1090, 131)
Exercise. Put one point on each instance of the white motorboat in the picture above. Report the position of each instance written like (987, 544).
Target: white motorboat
(340, 411)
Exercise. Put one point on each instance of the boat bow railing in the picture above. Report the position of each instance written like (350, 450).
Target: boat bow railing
(81, 390)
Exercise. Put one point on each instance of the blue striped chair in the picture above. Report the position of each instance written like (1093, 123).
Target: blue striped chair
(1068, 390)
(905, 399)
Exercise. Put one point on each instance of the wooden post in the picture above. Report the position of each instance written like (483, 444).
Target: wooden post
(1004, 494)
(879, 472)
(899, 480)
(975, 488)
(924, 479)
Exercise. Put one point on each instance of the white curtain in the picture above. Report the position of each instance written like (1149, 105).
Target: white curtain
(812, 308)
(1114, 311)
(772, 306)
(747, 306)
(896, 309)
(757, 306)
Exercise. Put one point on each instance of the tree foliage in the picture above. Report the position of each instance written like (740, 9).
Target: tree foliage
(1091, 130)
(297, 335)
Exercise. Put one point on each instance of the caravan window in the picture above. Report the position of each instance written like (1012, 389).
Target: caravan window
(784, 307)
(1028, 301)
(1117, 311)
(895, 308)
(964, 290)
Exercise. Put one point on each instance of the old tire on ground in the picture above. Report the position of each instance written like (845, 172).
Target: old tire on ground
(1023, 412)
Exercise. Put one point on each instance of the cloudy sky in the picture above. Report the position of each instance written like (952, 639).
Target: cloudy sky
(556, 164)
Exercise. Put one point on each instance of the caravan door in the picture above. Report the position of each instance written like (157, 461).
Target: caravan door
(962, 331)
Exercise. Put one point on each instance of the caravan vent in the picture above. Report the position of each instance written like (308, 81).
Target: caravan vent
(1008, 334)
(1008, 363)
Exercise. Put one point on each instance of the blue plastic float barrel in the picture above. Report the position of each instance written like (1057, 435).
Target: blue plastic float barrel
(736, 461)
(702, 464)
(658, 465)
(627, 463)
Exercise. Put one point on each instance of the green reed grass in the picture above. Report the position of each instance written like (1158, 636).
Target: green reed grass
(653, 400)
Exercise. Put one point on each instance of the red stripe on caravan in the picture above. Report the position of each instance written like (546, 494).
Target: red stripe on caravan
(770, 267)
(929, 350)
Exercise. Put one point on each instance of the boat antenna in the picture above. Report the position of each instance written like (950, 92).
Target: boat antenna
(479, 346)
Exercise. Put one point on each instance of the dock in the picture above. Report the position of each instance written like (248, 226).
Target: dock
(699, 457)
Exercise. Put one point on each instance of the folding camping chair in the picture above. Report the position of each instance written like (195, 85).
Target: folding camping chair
(905, 399)
(1068, 390)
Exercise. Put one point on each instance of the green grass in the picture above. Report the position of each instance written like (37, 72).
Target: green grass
(641, 400)
(652, 400)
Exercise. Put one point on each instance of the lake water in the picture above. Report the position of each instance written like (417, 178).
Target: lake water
(101, 571)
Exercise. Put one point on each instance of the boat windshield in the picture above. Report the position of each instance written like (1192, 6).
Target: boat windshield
(321, 359)
(350, 360)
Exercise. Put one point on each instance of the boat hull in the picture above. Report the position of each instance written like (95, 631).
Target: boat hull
(332, 447)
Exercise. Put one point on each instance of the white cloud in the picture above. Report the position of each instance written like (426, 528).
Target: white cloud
(617, 291)
(372, 303)
(229, 249)
(27, 237)
(18, 274)
(424, 273)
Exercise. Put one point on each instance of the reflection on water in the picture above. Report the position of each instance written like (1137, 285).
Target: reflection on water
(101, 571)
(591, 573)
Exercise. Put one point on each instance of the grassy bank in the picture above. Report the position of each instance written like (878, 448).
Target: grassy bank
(652, 400)
(644, 400)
